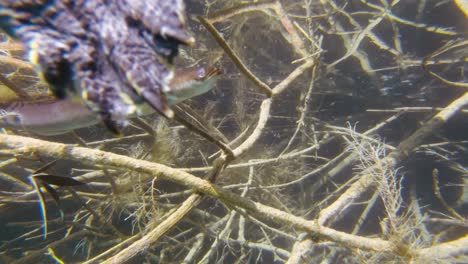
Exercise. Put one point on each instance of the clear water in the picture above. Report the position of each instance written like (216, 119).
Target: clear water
(381, 71)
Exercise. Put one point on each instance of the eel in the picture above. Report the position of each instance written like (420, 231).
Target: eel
(52, 116)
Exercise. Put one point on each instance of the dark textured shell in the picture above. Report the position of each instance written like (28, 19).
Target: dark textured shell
(114, 54)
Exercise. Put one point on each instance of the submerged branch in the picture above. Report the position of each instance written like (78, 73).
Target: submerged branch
(392, 160)
(25, 146)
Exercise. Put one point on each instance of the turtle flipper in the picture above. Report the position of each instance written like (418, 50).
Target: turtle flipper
(104, 93)
(48, 54)
(158, 103)
(103, 99)
(165, 18)
(50, 32)
(143, 71)
(107, 112)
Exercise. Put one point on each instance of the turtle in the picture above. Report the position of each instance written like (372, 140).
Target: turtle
(115, 55)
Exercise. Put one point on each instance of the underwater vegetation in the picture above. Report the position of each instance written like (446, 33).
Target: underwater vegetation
(337, 133)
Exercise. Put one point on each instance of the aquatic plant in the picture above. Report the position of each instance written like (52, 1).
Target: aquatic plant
(336, 134)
